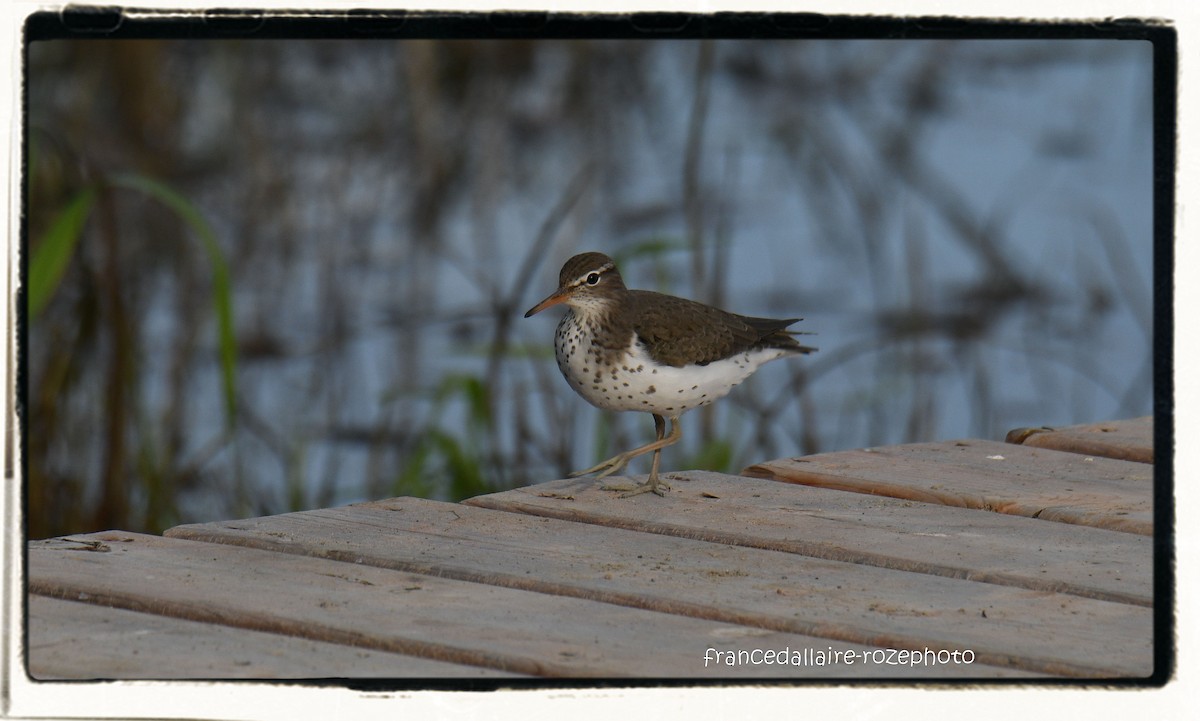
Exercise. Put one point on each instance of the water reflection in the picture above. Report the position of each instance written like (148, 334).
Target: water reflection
(966, 225)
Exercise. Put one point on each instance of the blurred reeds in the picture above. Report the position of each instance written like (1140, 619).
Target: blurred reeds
(265, 277)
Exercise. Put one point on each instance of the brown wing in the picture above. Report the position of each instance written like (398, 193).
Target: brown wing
(681, 332)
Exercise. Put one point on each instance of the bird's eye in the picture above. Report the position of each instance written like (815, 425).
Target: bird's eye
(593, 278)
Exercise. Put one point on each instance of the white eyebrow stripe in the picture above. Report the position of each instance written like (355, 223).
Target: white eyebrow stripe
(602, 269)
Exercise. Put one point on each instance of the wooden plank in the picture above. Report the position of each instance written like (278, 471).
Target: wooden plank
(1000, 477)
(1037, 631)
(856, 528)
(83, 641)
(376, 608)
(1125, 440)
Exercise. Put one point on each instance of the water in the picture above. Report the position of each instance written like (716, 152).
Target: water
(966, 226)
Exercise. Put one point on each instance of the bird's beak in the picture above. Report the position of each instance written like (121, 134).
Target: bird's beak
(554, 298)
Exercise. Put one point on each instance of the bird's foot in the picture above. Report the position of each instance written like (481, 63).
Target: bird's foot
(604, 468)
(655, 486)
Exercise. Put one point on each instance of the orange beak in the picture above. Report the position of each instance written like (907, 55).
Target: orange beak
(558, 296)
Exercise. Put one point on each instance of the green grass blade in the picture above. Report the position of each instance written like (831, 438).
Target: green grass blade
(717, 455)
(53, 252)
(222, 293)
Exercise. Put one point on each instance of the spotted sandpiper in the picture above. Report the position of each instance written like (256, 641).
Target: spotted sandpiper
(636, 350)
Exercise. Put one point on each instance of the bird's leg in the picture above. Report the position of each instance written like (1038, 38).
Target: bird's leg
(652, 484)
(659, 428)
(617, 462)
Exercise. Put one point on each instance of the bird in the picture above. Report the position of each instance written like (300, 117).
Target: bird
(638, 350)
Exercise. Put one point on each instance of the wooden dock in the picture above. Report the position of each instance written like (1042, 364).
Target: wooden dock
(1031, 559)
